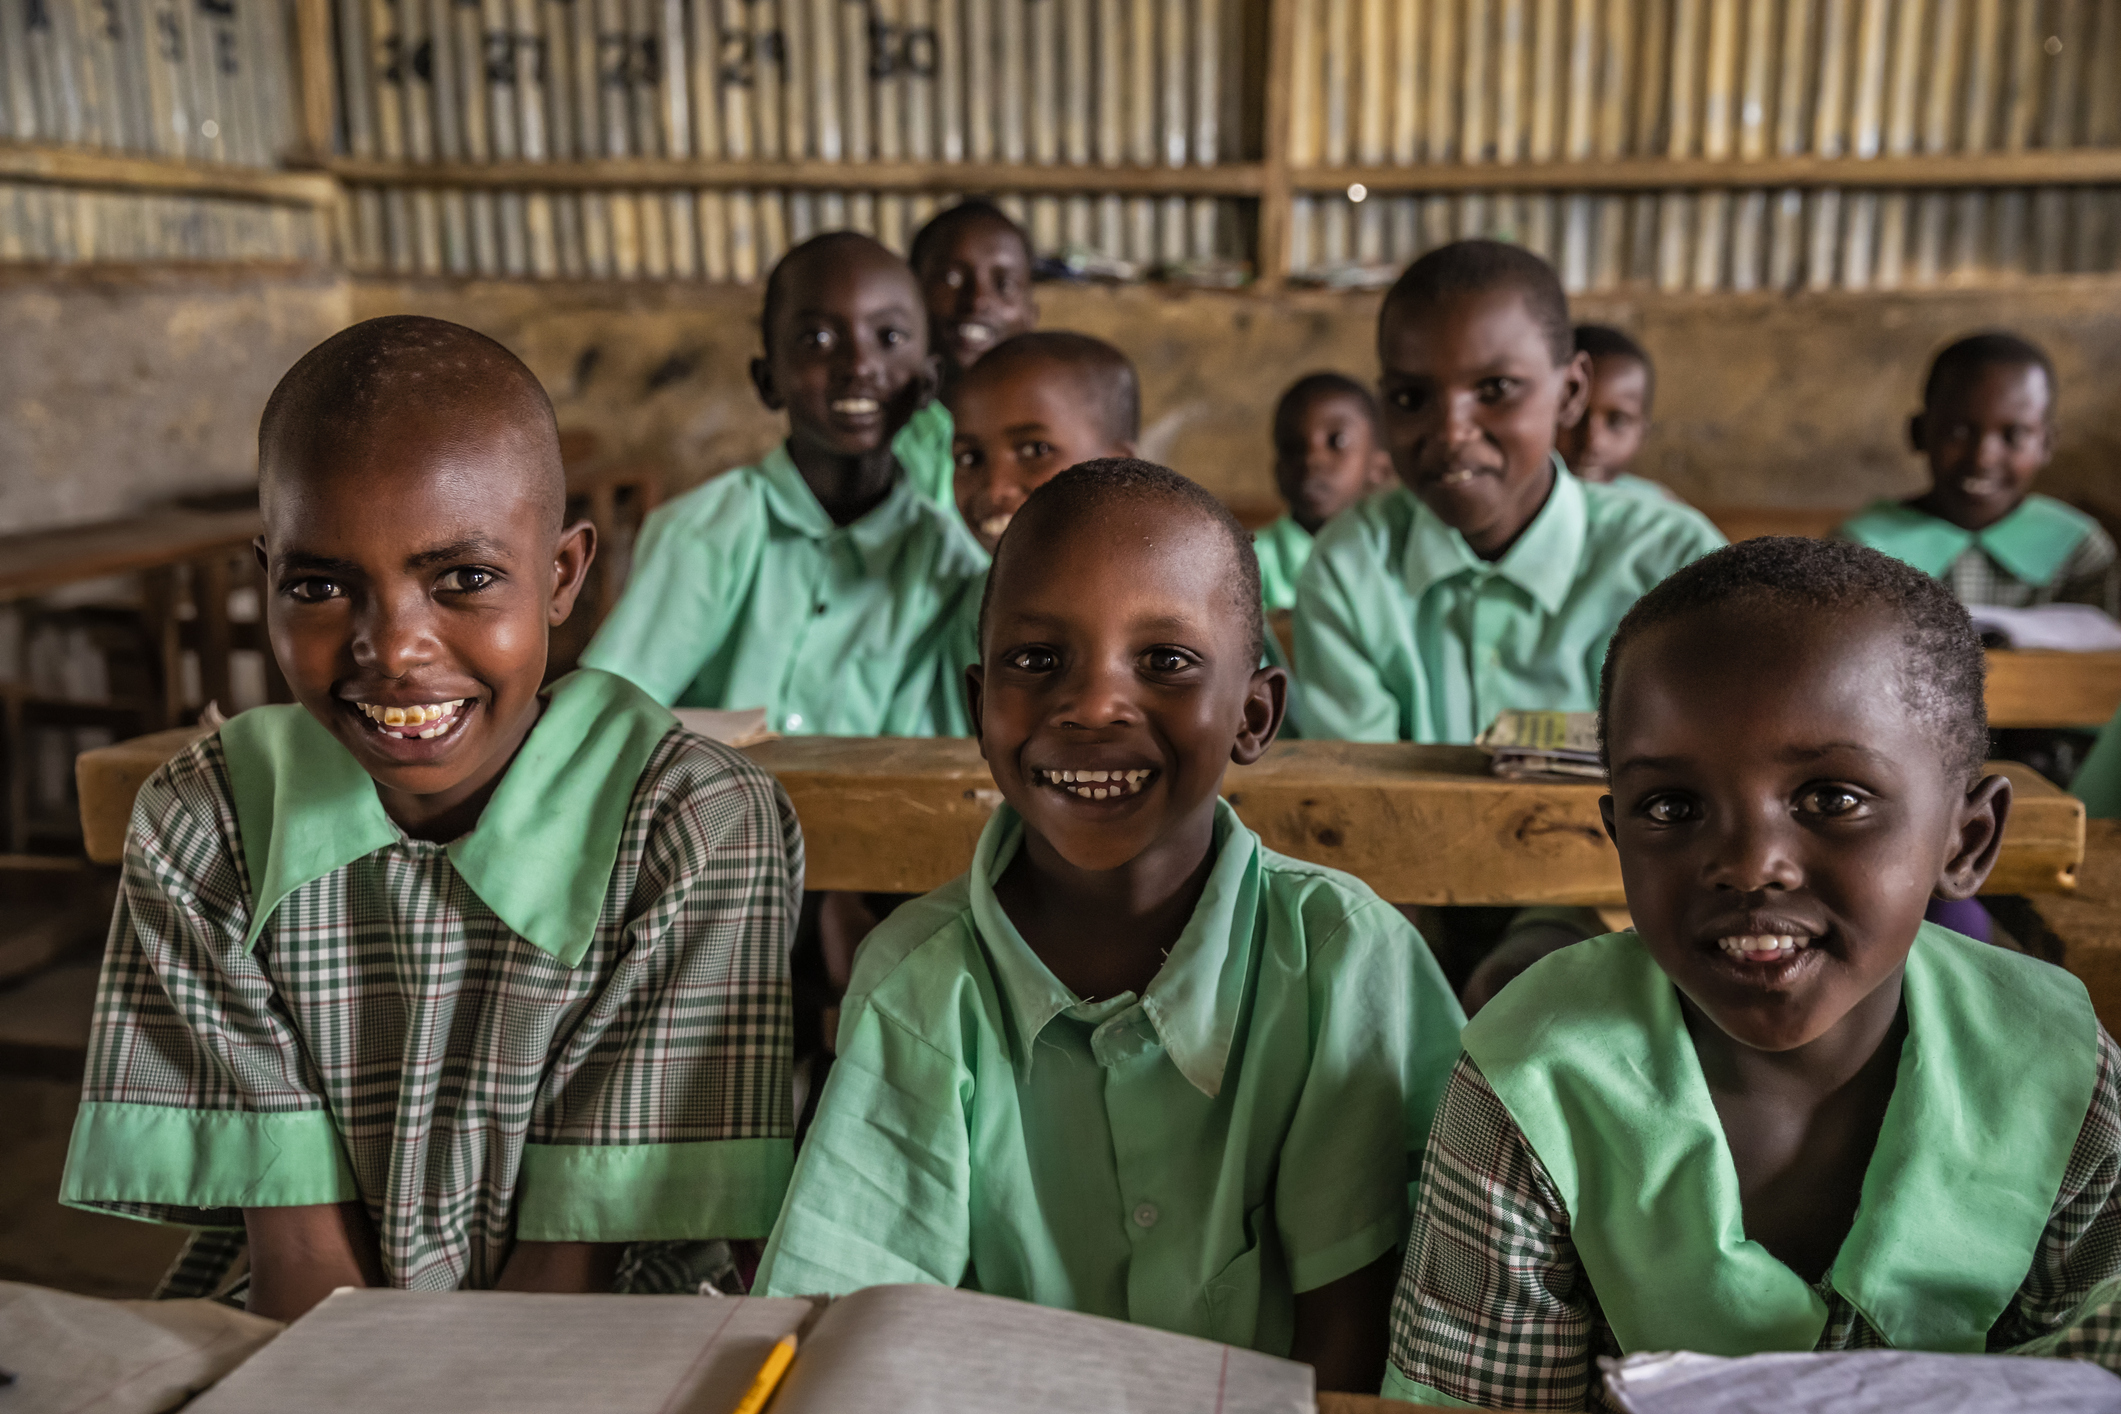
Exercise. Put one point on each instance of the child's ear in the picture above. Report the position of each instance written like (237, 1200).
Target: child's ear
(1265, 704)
(570, 562)
(762, 379)
(257, 547)
(1575, 391)
(975, 687)
(1605, 813)
(1917, 436)
(1977, 838)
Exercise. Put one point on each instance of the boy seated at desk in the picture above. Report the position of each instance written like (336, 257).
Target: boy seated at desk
(1132, 1063)
(1616, 415)
(820, 583)
(1782, 1112)
(1328, 454)
(1491, 577)
(1987, 429)
(437, 980)
(1035, 405)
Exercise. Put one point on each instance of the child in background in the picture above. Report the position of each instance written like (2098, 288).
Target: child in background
(1987, 426)
(1035, 405)
(1132, 1063)
(819, 583)
(1492, 576)
(1604, 441)
(437, 980)
(1328, 454)
(1783, 1112)
(974, 265)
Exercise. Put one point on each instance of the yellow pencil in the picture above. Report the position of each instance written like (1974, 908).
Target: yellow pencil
(777, 1362)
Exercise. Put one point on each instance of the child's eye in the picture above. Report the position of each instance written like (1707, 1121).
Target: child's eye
(1338, 441)
(1494, 390)
(1669, 809)
(1167, 660)
(968, 459)
(816, 338)
(314, 590)
(1407, 399)
(1833, 802)
(891, 338)
(1032, 660)
(1034, 451)
(468, 579)
(954, 278)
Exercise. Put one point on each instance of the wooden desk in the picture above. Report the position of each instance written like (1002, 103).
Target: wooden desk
(2039, 688)
(1370, 1404)
(2088, 921)
(1420, 824)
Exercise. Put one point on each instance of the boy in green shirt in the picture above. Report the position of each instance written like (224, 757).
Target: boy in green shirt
(1491, 576)
(1034, 406)
(1987, 429)
(1133, 1063)
(1782, 1113)
(974, 265)
(1616, 414)
(1328, 454)
(437, 980)
(822, 582)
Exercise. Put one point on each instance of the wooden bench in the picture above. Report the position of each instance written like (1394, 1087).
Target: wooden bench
(1420, 824)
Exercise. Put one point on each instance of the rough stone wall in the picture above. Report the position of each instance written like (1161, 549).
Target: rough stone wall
(123, 388)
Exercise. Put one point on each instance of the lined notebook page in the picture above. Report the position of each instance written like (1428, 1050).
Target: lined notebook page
(916, 1349)
(494, 1352)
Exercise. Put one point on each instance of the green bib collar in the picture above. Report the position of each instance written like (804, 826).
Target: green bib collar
(1591, 1056)
(2032, 543)
(542, 853)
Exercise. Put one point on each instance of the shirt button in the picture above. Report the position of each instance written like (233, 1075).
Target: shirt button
(795, 721)
(1145, 1215)
(820, 608)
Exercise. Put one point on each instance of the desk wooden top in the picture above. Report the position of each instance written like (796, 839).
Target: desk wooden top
(46, 559)
(2039, 688)
(1369, 1404)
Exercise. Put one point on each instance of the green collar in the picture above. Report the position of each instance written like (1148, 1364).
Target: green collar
(1590, 1054)
(1194, 998)
(1542, 561)
(540, 856)
(2032, 543)
(872, 536)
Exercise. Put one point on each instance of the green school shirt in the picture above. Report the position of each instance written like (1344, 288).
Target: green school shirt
(2098, 780)
(1282, 547)
(745, 594)
(1247, 1129)
(569, 1024)
(1590, 1055)
(1404, 634)
(923, 449)
(2031, 544)
(1627, 483)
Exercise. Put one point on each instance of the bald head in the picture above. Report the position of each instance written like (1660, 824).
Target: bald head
(837, 251)
(1082, 499)
(1101, 376)
(410, 373)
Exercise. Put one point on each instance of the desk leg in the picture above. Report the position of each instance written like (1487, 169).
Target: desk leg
(209, 593)
(165, 644)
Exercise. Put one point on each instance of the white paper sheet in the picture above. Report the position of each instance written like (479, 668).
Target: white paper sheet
(78, 1355)
(2072, 628)
(1861, 1382)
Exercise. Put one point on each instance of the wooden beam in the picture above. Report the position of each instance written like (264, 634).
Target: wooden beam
(2066, 166)
(317, 82)
(637, 173)
(2033, 688)
(1276, 194)
(85, 167)
(45, 559)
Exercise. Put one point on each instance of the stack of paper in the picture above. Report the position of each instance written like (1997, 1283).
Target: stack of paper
(1535, 745)
(1860, 1382)
(2070, 628)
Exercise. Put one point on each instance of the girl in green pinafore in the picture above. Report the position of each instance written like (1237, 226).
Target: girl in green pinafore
(1782, 1112)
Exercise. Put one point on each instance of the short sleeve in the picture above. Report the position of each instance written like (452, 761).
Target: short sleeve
(2092, 575)
(1345, 697)
(680, 600)
(198, 1099)
(1385, 1029)
(883, 1191)
(1492, 1309)
(666, 1114)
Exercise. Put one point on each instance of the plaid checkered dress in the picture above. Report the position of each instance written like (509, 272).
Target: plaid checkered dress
(2089, 576)
(1494, 1309)
(439, 1043)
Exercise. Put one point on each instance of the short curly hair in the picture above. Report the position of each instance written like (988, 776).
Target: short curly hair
(1942, 673)
(1477, 266)
(1084, 491)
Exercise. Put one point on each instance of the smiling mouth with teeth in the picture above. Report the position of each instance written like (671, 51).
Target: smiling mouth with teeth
(854, 407)
(1096, 785)
(420, 722)
(1763, 947)
(977, 335)
(993, 526)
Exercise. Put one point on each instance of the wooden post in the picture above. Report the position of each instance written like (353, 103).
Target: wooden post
(209, 597)
(317, 82)
(1276, 196)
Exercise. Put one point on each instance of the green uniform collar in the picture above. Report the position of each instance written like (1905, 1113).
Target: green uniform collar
(2032, 543)
(1542, 562)
(1194, 998)
(540, 856)
(1590, 1054)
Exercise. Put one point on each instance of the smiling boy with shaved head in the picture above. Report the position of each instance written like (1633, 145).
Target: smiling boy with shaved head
(439, 979)
(1133, 1063)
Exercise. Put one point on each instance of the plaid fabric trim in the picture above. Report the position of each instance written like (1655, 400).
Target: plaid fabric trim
(439, 1040)
(1493, 1309)
(2089, 576)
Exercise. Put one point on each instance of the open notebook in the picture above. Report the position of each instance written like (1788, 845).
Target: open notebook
(886, 1350)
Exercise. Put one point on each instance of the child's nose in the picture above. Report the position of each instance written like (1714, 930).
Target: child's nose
(393, 638)
(1754, 853)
